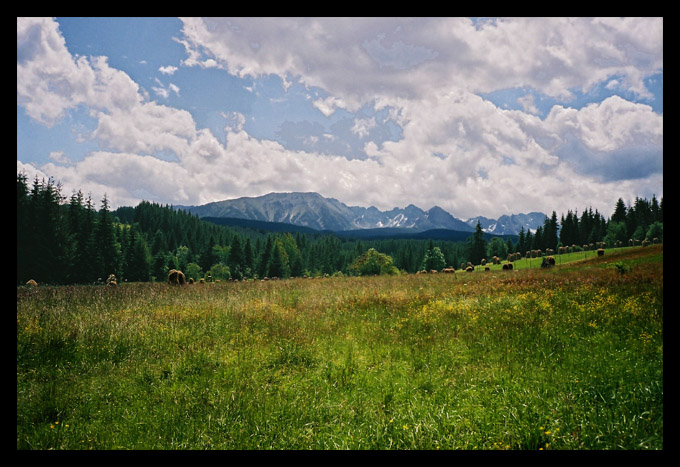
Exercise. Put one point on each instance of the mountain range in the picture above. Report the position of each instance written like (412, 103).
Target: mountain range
(311, 210)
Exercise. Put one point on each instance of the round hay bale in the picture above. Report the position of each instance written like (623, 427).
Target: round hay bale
(176, 277)
(111, 281)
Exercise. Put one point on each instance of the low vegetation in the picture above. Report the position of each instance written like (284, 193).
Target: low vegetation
(566, 357)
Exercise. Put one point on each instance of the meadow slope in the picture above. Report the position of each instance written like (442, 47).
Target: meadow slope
(565, 358)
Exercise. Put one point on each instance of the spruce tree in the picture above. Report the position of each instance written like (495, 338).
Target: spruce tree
(107, 247)
(276, 262)
(139, 266)
(477, 246)
(236, 259)
(619, 214)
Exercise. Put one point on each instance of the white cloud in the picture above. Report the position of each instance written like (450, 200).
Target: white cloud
(357, 59)
(328, 105)
(50, 81)
(60, 157)
(168, 70)
(362, 126)
(449, 135)
(164, 92)
(528, 104)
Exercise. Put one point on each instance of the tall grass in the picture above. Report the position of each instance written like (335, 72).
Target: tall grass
(567, 358)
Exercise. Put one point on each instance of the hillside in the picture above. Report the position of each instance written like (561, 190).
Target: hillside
(328, 214)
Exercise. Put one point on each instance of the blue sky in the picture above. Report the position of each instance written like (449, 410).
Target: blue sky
(480, 117)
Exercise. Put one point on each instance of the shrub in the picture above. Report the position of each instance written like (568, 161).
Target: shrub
(372, 262)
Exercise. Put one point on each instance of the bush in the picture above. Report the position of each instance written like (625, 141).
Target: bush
(373, 263)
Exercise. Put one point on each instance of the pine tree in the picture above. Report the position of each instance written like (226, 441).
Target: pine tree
(263, 266)
(248, 259)
(619, 214)
(107, 247)
(139, 267)
(236, 259)
(537, 243)
(521, 242)
(23, 229)
(477, 246)
(276, 262)
(550, 232)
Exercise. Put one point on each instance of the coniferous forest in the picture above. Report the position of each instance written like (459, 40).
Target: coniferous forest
(78, 240)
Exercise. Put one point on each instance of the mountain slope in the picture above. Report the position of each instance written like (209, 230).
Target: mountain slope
(511, 224)
(317, 212)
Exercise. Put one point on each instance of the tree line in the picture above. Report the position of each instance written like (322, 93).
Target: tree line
(72, 241)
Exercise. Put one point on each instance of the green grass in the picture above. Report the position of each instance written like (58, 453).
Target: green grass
(565, 358)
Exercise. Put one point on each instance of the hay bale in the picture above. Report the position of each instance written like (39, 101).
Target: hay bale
(548, 262)
(176, 277)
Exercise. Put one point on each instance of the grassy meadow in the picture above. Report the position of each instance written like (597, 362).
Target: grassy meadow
(564, 358)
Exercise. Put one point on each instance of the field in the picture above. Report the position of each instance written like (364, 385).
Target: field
(565, 358)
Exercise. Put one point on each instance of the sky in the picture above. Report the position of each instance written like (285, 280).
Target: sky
(479, 116)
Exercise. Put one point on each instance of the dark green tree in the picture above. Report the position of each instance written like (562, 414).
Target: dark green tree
(263, 264)
(477, 246)
(372, 262)
(248, 259)
(139, 264)
(108, 249)
(236, 260)
(521, 242)
(276, 267)
(550, 232)
(619, 214)
(434, 258)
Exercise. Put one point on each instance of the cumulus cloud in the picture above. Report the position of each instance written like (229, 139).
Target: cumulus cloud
(552, 55)
(455, 149)
(163, 91)
(328, 105)
(362, 126)
(168, 70)
(50, 81)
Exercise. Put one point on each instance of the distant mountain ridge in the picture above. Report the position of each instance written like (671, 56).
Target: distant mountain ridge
(317, 212)
(509, 225)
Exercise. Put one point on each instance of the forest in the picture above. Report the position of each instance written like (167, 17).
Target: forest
(64, 240)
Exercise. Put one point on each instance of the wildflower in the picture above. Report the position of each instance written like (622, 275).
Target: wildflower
(405, 427)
